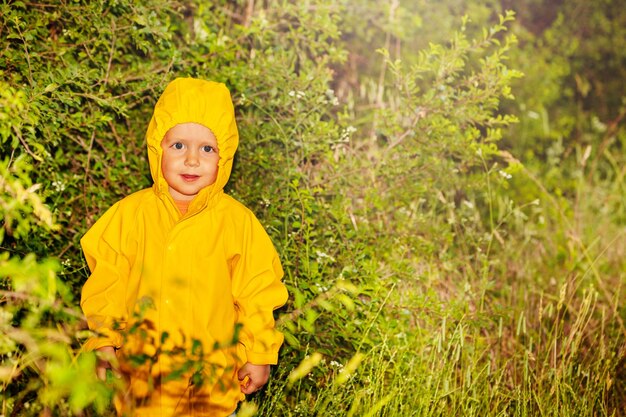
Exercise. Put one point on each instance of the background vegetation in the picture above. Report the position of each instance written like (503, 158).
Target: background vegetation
(445, 182)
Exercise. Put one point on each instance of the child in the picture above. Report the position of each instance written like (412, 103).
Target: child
(202, 258)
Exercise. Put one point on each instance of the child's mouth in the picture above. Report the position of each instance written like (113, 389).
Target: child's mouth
(189, 178)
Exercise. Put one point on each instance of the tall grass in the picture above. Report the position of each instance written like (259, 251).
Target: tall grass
(541, 335)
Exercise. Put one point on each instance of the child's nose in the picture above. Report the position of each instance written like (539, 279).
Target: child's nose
(191, 159)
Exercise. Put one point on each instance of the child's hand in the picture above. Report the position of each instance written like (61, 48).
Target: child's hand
(106, 354)
(257, 376)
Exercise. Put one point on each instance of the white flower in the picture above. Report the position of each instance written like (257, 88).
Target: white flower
(336, 364)
(346, 133)
(297, 94)
(59, 186)
(505, 174)
(330, 96)
(321, 256)
(200, 30)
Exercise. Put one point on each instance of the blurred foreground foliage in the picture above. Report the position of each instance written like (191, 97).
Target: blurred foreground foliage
(444, 182)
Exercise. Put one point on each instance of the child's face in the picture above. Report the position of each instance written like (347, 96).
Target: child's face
(190, 159)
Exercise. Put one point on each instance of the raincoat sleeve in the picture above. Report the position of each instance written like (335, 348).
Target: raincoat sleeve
(257, 292)
(103, 298)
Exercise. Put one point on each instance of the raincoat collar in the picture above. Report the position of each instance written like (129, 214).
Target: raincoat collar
(187, 100)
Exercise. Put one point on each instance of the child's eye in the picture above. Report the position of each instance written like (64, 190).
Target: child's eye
(177, 145)
(208, 149)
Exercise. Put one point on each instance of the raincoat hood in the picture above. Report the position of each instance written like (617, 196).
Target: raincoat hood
(190, 100)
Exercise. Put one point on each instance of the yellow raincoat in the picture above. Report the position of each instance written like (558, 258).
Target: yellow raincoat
(210, 278)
